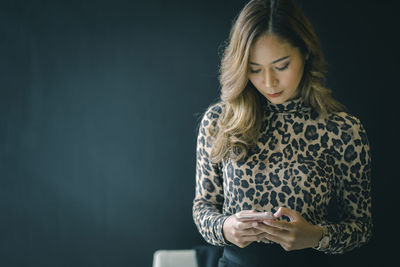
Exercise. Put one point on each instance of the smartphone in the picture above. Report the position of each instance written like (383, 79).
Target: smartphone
(254, 216)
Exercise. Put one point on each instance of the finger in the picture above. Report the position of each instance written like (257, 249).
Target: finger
(246, 211)
(245, 225)
(251, 238)
(279, 224)
(272, 230)
(259, 237)
(251, 232)
(292, 214)
(274, 238)
(244, 244)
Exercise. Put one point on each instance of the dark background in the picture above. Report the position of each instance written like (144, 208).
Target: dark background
(99, 106)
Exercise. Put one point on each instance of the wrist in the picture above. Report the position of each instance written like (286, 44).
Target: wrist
(225, 230)
(324, 240)
(319, 234)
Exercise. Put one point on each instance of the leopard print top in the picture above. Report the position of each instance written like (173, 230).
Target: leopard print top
(302, 161)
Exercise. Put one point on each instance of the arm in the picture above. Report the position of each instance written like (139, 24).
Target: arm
(209, 195)
(353, 193)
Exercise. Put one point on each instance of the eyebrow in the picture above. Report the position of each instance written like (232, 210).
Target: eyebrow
(273, 62)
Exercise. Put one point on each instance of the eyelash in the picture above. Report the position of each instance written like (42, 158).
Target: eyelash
(284, 67)
(278, 69)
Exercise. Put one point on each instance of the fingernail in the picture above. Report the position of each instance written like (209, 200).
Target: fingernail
(254, 224)
(267, 222)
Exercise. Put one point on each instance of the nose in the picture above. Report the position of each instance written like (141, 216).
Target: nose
(270, 79)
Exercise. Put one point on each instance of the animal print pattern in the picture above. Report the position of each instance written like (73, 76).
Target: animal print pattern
(302, 161)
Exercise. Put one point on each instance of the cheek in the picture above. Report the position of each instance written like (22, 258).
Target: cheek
(254, 80)
(293, 77)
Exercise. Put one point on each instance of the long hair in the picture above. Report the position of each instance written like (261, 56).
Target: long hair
(239, 124)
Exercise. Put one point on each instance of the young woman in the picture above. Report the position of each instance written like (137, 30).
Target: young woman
(278, 142)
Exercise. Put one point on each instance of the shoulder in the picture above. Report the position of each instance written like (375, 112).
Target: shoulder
(209, 118)
(346, 126)
(212, 114)
(214, 111)
(343, 120)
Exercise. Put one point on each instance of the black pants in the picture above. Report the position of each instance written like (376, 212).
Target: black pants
(270, 255)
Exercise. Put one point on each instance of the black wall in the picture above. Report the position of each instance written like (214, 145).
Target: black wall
(99, 104)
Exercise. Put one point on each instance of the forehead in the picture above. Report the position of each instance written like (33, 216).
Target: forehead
(268, 48)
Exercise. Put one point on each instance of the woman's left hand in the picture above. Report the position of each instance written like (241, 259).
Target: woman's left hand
(296, 234)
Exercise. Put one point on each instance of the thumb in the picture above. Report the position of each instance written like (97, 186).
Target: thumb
(287, 212)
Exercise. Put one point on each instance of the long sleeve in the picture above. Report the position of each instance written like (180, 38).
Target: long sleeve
(209, 194)
(353, 186)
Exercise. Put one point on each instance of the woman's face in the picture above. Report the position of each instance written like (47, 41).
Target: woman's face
(275, 68)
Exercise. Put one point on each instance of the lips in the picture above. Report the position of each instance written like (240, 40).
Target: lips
(275, 95)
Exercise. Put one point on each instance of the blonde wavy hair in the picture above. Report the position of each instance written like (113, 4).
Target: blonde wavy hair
(238, 126)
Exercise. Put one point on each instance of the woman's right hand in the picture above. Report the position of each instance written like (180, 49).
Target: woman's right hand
(241, 233)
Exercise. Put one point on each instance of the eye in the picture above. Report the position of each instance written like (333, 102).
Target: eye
(255, 71)
(283, 68)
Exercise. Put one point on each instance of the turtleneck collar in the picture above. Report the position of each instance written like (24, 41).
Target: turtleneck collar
(290, 106)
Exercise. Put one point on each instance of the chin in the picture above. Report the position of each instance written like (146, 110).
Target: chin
(277, 100)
